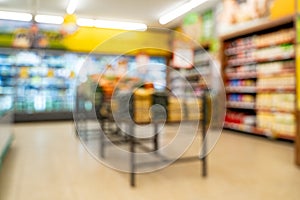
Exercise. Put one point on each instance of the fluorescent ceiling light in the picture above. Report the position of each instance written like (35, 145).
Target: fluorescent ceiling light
(49, 19)
(72, 6)
(111, 24)
(26, 17)
(120, 25)
(85, 22)
(177, 12)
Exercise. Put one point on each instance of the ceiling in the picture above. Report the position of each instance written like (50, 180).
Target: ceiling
(144, 11)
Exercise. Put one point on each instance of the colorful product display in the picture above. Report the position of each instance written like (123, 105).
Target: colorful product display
(279, 82)
(240, 118)
(278, 37)
(275, 68)
(261, 82)
(243, 82)
(277, 123)
(283, 36)
(44, 82)
(276, 101)
(275, 53)
(241, 98)
(266, 47)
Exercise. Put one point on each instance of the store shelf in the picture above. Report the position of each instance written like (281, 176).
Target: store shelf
(42, 116)
(243, 128)
(252, 61)
(257, 131)
(202, 63)
(240, 105)
(276, 135)
(261, 56)
(244, 75)
(263, 109)
(241, 89)
(192, 76)
(285, 136)
(277, 89)
(257, 26)
(277, 74)
(249, 48)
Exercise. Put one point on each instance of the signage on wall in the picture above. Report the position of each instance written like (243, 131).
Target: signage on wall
(183, 54)
(239, 11)
(199, 27)
(30, 35)
(191, 26)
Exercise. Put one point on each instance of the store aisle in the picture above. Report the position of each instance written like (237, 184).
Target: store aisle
(47, 162)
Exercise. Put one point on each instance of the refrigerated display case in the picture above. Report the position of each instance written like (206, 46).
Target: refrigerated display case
(45, 85)
(7, 73)
(42, 82)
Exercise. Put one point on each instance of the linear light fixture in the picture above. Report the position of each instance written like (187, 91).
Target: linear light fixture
(18, 16)
(85, 22)
(177, 12)
(72, 5)
(49, 19)
(120, 25)
(111, 24)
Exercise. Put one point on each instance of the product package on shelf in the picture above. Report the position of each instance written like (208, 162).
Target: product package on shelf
(240, 121)
(276, 123)
(277, 83)
(193, 108)
(284, 102)
(275, 68)
(142, 104)
(175, 109)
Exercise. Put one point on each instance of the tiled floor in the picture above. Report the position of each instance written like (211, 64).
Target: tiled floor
(46, 161)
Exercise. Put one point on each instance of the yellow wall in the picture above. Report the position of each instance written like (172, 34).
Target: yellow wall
(100, 40)
(298, 76)
(281, 8)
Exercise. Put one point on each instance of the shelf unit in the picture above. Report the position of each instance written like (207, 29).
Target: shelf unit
(258, 67)
(6, 114)
(42, 80)
(297, 139)
(188, 83)
(7, 90)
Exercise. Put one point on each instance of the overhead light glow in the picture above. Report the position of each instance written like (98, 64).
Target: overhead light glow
(85, 22)
(49, 19)
(177, 12)
(120, 25)
(72, 6)
(18, 16)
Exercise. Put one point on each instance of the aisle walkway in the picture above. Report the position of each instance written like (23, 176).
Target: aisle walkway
(47, 162)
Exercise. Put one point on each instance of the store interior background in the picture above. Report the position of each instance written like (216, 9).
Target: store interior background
(254, 45)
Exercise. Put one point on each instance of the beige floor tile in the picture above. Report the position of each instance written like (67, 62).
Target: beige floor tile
(46, 161)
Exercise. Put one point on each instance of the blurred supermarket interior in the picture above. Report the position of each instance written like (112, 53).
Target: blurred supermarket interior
(173, 99)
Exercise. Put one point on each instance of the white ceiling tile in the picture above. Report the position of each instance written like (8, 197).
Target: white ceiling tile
(146, 11)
